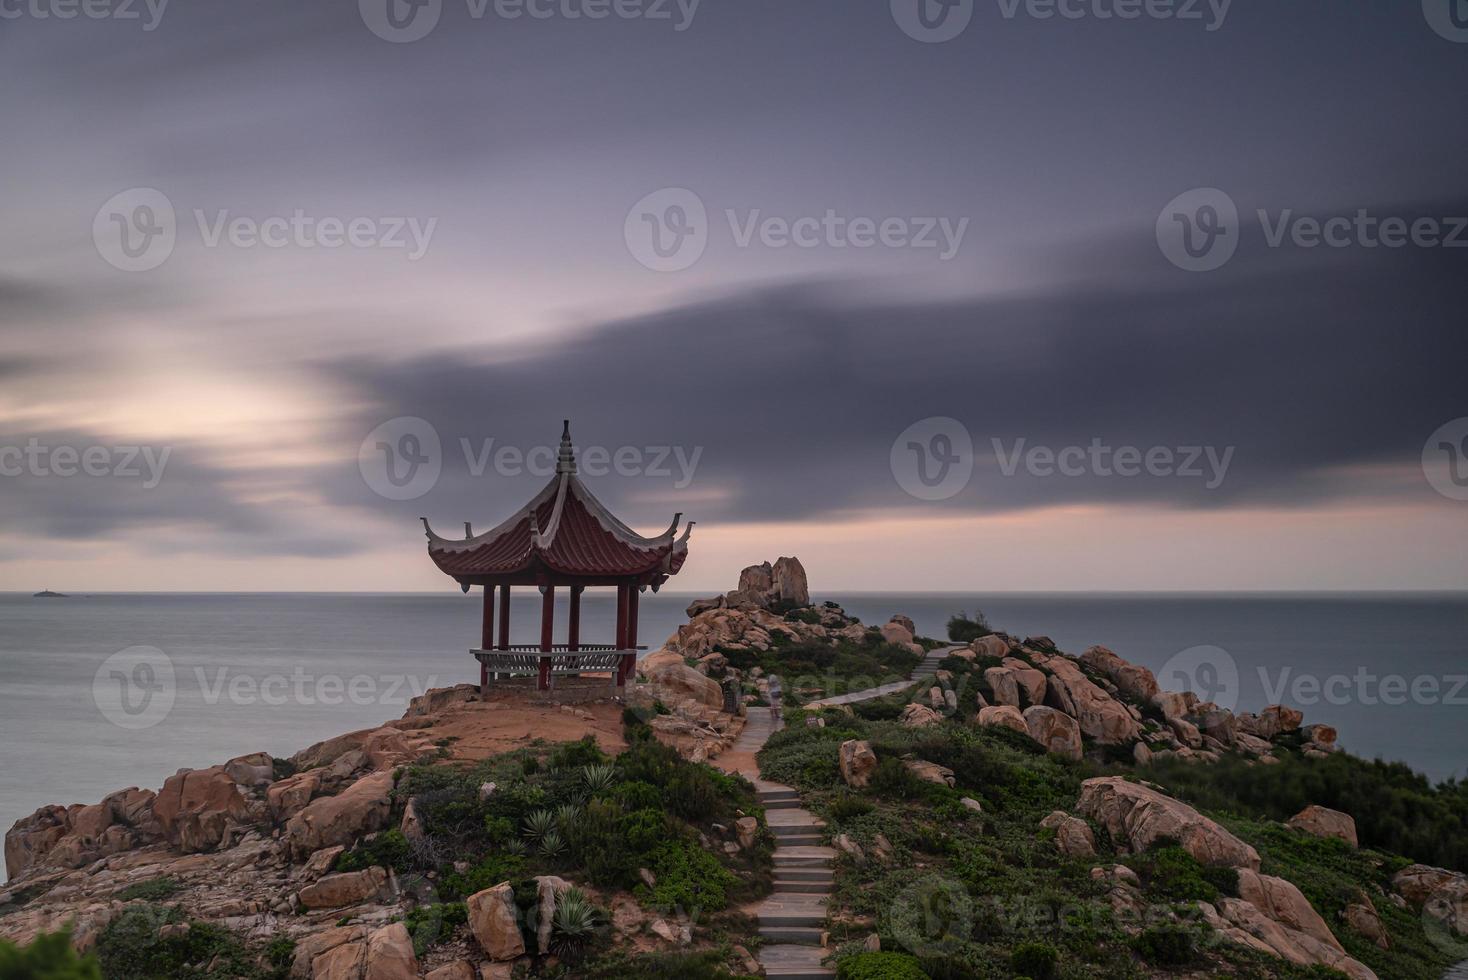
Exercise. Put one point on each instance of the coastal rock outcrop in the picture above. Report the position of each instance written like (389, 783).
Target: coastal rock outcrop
(361, 808)
(1137, 816)
(494, 921)
(1056, 731)
(1323, 822)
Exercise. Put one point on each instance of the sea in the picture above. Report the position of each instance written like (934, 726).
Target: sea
(100, 692)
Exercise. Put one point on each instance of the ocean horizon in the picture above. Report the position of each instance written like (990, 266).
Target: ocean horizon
(276, 672)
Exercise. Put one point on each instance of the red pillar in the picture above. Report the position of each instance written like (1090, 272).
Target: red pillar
(573, 627)
(621, 637)
(547, 634)
(504, 643)
(629, 665)
(486, 636)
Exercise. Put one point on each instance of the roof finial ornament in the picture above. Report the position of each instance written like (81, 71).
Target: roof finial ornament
(566, 459)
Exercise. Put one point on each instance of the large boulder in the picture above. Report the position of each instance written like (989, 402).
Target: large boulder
(991, 645)
(678, 681)
(289, 796)
(1323, 822)
(1136, 682)
(1099, 714)
(346, 961)
(1073, 835)
(930, 772)
(1243, 922)
(362, 808)
(346, 888)
(1440, 894)
(1003, 685)
(1031, 680)
(757, 580)
(899, 636)
(251, 771)
(548, 890)
(32, 839)
(1055, 730)
(1005, 716)
(1283, 902)
(390, 954)
(789, 582)
(917, 715)
(309, 947)
(195, 806)
(1138, 816)
(857, 762)
(1275, 720)
(495, 923)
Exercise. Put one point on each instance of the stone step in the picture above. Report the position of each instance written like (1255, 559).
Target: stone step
(782, 830)
(804, 856)
(823, 875)
(802, 840)
(786, 962)
(784, 885)
(796, 935)
(791, 804)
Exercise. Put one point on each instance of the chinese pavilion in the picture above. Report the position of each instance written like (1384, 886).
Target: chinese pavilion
(564, 537)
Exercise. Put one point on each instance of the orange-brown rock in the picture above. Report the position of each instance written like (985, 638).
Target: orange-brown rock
(1138, 816)
(1056, 731)
(360, 809)
(1322, 822)
(345, 888)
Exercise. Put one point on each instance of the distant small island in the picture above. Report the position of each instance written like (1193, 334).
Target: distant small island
(48, 594)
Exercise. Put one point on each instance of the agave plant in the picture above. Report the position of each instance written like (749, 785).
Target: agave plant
(516, 847)
(598, 779)
(575, 925)
(540, 823)
(566, 817)
(552, 845)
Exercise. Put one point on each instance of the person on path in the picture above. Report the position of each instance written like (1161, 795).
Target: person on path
(777, 698)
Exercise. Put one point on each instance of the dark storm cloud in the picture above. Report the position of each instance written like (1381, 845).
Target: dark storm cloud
(1303, 361)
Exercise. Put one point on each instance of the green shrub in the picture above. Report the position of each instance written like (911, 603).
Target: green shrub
(492, 870)
(130, 948)
(689, 879)
(1171, 874)
(620, 965)
(48, 957)
(880, 966)
(1037, 960)
(389, 849)
(847, 806)
(1166, 945)
(577, 755)
(963, 628)
(152, 890)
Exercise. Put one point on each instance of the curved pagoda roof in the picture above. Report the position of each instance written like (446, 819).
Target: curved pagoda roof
(564, 531)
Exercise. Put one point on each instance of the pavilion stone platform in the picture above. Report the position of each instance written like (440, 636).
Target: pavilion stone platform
(564, 538)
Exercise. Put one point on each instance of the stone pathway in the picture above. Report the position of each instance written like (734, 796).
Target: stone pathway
(793, 919)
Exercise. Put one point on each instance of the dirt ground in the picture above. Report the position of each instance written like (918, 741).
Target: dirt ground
(510, 720)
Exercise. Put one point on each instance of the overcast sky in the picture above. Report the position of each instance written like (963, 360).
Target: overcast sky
(908, 296)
